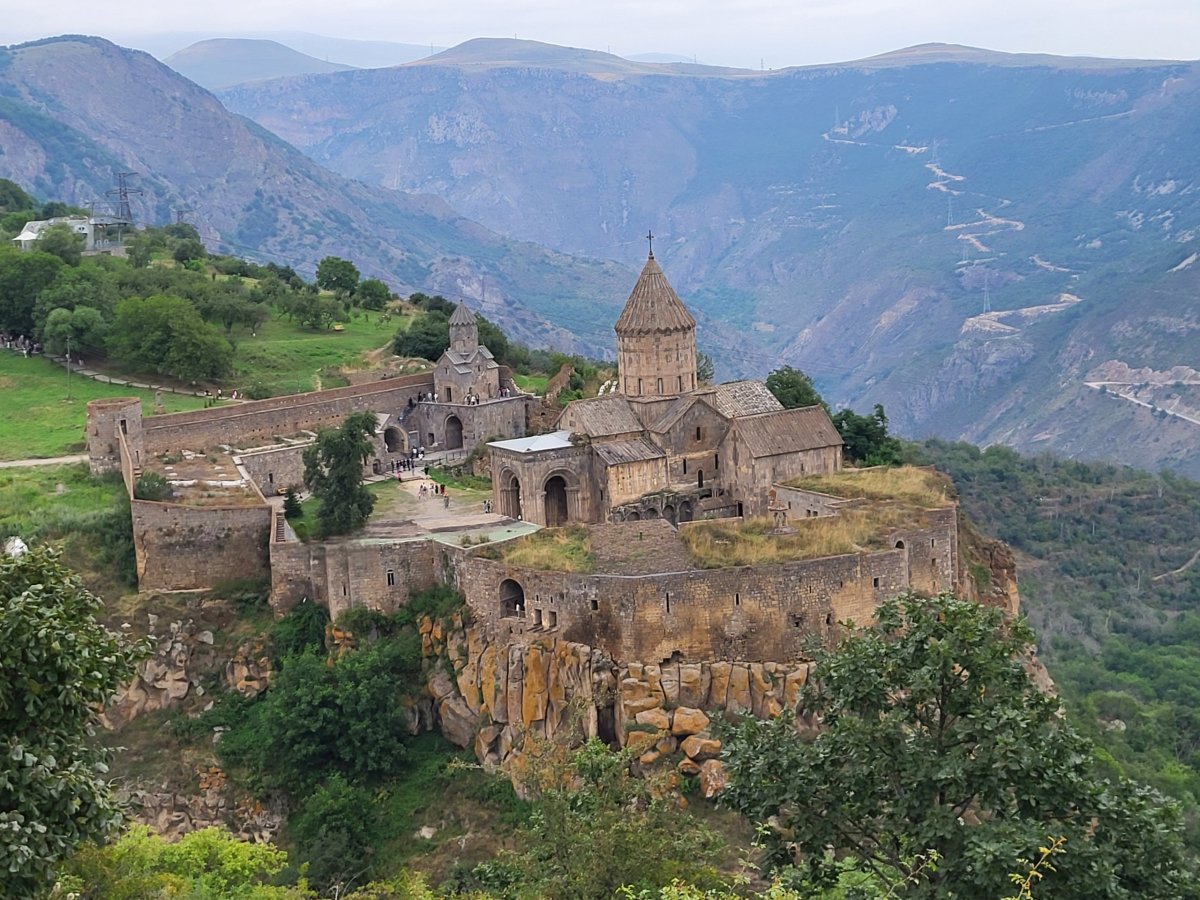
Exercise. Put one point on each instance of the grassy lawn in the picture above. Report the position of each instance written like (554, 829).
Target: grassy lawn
(87, 516)
(534, 384)
(39, 421)
(286, 358)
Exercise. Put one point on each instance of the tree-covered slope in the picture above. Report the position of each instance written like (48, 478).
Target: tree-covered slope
(75, 111)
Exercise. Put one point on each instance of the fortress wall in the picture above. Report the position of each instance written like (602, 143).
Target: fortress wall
(805, 504)
(273, 471)
(750, 613)
(193, 548)
(346, 574)
(932, 552)
(262, 420)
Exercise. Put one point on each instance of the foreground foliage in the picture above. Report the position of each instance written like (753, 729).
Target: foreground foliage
(934, 739)
(60, 667)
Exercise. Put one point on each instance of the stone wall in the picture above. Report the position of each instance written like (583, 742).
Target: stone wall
(629, 481)
(263, 420)
(193, 548)
(275, 470)
(342, 574)
(504, 417)
(755, 613)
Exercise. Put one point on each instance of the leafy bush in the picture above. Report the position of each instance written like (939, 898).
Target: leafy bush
(335, 831)
(152, 486)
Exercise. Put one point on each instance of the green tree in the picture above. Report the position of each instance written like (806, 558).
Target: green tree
(291, 504)
(372, 294)
(335, 831)
(793, 388)
(64, 243)
(866, 437)
(187, 250)
(337, 275)
(595, 827)
(426, 337)
(60, 667)
(165, 334)
(705, 370)
(333, 471)
(82, 328)
(22, 277)
(73, 287)
(934, 738)
(13, 197)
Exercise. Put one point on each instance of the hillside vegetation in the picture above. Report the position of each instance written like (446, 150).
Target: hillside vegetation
(1110, 579)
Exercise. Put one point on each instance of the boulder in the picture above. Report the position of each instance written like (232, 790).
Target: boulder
(712, 778)
(689, 767)
(667, 744)
(699, 747)
(718, 691)
(686, 720)
(534, 698)
(637, 740)
(458, 722)
(693, 684)
(656, 718)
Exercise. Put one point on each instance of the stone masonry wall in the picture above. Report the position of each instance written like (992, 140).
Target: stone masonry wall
(755, 613)
(262, 420)
(192, 548)
(273, 471)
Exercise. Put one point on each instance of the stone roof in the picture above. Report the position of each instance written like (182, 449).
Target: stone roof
(600, 417)
(614, 453)
(743, 398)
(556, 440)
(463, 316)
(788, 431)
(463, 362)
(653, 305)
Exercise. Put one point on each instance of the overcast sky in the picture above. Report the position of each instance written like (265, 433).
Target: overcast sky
(748, 33)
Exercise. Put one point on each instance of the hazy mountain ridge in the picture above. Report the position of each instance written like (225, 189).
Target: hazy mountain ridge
(823, 212)
(224, 62)
(64, 135)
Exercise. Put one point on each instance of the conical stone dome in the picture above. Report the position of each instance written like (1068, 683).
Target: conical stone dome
(653, 305)
(656, 339)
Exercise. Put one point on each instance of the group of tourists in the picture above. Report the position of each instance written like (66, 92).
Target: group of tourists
(21, 344)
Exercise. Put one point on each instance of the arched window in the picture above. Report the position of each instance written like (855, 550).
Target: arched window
(512, 599)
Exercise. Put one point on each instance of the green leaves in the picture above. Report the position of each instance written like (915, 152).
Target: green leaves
(60, 667)
(935, 739)
(333, 472)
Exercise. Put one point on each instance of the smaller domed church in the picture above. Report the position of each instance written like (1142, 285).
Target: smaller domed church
(661, 445)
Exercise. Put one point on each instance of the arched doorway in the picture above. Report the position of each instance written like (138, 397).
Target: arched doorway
(633, 516)
(512, 599)
(454, 433)
(685, 511)
(556, 501)
(651, 513)
(393, 439)
(510, 496)
(669, 514)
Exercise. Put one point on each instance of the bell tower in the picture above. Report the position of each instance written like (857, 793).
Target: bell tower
(464, 330)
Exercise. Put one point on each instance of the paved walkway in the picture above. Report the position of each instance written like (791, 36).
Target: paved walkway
(49, 461)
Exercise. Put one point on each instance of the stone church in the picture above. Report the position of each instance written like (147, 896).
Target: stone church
(661, 445)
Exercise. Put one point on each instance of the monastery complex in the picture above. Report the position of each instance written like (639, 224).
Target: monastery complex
(655, 483)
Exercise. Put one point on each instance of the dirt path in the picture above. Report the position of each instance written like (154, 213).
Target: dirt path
(49, 461)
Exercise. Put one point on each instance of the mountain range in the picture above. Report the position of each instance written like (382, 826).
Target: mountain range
(224, 62)
(75, 111)
(997, 247)
(971, 238)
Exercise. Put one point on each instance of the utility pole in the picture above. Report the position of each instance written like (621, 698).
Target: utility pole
(122, 192)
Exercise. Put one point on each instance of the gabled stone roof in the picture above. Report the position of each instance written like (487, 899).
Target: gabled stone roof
(463, 362)
(653, 305)
(743, 398)
(600, 417)
(463, 316)
(788, 430)
(614, 453)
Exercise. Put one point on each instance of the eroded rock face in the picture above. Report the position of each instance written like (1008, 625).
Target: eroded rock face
(490, 696)
(174, 814)
(166, 678)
